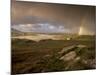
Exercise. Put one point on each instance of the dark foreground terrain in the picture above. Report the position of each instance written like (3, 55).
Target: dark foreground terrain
(53, 55)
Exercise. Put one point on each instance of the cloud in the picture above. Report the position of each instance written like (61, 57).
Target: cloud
(40, 28)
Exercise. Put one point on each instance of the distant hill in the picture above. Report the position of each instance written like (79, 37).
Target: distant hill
(15, 32)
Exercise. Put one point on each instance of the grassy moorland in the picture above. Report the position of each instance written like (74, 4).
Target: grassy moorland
(49, 55)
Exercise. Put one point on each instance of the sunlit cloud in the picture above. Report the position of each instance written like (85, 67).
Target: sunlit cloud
(39, 27)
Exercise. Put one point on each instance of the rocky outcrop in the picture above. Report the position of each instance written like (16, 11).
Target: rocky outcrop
(77, 57)
(69, 56)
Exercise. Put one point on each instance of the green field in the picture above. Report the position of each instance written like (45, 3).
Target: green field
(53, 55)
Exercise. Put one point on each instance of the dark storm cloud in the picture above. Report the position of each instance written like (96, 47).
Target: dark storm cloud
(71, 17)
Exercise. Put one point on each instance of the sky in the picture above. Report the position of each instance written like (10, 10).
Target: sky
(53, 18)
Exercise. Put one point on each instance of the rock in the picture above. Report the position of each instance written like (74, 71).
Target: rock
(90, 62)
(69, 56)
(65, 49)
(76, 59)
(47, 55)
(81, 46)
